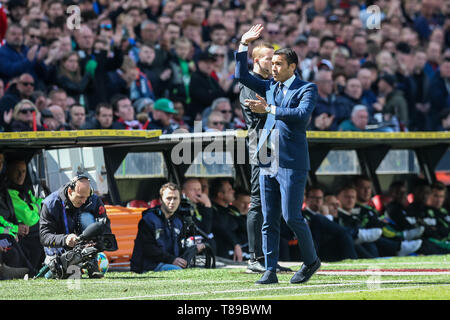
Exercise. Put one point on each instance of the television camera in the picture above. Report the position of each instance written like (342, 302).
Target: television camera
(93, 240)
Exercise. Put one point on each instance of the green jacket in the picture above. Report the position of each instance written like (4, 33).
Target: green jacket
(8, 227)
(26, 213)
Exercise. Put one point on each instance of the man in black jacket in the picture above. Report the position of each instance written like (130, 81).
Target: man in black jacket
(158, 242)
(65, 213)
(203, 88)
(98, 62)
(230, 239)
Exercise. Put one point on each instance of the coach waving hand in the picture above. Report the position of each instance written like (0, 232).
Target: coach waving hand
(288, 102)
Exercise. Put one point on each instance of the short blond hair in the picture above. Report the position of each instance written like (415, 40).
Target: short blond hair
(256, 52)
(169, 185)
(19, 105)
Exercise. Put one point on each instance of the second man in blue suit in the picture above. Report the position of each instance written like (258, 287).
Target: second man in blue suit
(288, 102)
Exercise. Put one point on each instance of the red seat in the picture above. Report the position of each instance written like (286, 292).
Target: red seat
(154, 203)
(410, 198)
(137, 204)
(380, 202)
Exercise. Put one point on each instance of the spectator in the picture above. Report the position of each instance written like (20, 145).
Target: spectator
(445, 120)
(427, 19)
(103, 118)
(222, 105)
(171, 32)
(230, 238)
(16, 59)
(59, 97)
(438, 92)
(192, 29)
(149, 33)
(394, 103)
(349, 98)
(419, 116)
(70, 79)
(180, 118)
(48, 121)
(26, 209)
(26, 117)
(162, 116)
(98, 63)
(158, 241)
(155, 65)
(18, 90)
(17, 10)
(368, 96)
(339, 58)
(239, 119)
(60, 116)
(181, 66)
(130, 81)
(32, 35)
(124, 113)
(326, 115)
(77, 116)
(433, 57)
(215, 122)
(203, 88)
(359, 120)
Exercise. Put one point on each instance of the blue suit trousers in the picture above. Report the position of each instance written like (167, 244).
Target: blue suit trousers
(282, 194)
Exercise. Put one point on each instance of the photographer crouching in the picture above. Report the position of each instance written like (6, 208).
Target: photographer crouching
(158, 244)
(65, 214)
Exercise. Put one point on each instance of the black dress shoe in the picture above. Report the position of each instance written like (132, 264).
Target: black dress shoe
(268, 277)
(305, 272)
(283, 269)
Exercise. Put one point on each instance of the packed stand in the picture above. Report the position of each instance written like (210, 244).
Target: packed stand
(159, 64)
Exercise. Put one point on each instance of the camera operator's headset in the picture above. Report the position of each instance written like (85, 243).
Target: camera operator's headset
(79, 177)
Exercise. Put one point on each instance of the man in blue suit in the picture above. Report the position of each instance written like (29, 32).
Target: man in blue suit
(288, 103)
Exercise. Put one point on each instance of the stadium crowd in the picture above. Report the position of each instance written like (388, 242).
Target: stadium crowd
(163, 64)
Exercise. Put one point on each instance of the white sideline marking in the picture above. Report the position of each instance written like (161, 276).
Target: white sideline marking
(382, 273)
(271, 288)
(345, 291)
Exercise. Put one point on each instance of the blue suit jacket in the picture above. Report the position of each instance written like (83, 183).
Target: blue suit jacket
(291, 118)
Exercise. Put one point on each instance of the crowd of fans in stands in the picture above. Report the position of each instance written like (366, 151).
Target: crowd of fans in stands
(163, 64)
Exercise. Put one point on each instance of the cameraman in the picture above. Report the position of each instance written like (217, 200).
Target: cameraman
(201, 208)
(158, 242)
(65, 214)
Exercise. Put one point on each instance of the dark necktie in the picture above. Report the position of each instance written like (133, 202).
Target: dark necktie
(279, 96)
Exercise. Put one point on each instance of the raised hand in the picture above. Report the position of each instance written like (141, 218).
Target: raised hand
(252, 34)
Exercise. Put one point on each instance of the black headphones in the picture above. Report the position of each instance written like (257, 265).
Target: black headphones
(79, 177)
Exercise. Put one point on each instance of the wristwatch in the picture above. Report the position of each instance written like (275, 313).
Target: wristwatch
(268, 108)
